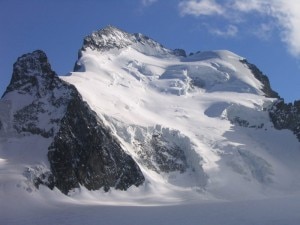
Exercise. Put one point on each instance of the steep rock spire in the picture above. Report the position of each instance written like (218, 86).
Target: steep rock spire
(83, 150)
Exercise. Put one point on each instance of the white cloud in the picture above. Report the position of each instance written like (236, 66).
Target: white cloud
(148, 2)
(284, 13)
(231, 31)
(288, 16)
(250, 5)
(264, 31)
(198, 8)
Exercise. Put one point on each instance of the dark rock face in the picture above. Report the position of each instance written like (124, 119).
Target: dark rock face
(27, 70)
(83, 151)
(38, 175)
(164, 150)
(106, 39)
(46, 95)
(179, 52)
(286, 116)
(244, 123)
(161, 155)
(263, 79)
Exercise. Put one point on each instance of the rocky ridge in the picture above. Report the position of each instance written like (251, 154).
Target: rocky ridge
(111, 37)
(263, 79)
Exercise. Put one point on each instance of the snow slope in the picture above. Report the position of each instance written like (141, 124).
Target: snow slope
(210, 104)
(198, 127)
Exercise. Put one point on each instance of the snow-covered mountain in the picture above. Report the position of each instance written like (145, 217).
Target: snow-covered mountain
(148, 125)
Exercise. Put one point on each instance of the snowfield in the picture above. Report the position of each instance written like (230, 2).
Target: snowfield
(140, 93)
(57, 209)
(227, 165)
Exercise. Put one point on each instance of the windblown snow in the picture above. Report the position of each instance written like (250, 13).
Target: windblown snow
(208, 108)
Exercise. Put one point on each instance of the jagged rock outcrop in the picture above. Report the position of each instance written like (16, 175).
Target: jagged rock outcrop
(263, 79)
(180, 52)
(83, 151)
(27, 72)
(38, 95)
(286, 116)
(161, 155)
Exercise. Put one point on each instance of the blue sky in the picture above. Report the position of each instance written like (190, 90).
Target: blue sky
(263, 31)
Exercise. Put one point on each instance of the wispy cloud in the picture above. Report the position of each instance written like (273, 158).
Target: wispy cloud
(249, 5)
(230, 31)
(198, 8)
(283, 13)
(148, 2)
(264, 31)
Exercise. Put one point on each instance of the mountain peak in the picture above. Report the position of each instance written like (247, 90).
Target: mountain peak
(28, 68)
(111, 37)
(33, 64)
(111, 28)
(107, 38)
